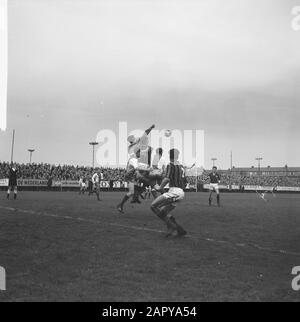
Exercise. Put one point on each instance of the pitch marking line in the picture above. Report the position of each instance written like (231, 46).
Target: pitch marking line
(91, 221)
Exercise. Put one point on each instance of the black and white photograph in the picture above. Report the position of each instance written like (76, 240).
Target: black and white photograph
(149, 153)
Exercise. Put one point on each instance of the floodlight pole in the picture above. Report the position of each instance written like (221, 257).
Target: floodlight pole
(30, 154)
(259, 159)
(12, 147)
(93, 144)
(214, 160)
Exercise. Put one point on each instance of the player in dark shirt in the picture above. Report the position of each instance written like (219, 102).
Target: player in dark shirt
(90, 185)
(12, 181)
(164, 204)
(215, 179)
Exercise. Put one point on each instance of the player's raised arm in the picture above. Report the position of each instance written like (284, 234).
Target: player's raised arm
(144, 141)
(150, 129)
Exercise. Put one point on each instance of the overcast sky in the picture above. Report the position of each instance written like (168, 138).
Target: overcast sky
(231, 68)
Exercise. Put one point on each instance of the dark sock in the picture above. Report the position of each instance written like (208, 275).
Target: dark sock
(172, 219)
(136, 194)
(15, 196)
(171, 222)
(124, 200)
(162, 216)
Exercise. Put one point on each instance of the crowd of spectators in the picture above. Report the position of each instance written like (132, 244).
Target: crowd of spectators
(228, 178)
(45, 171)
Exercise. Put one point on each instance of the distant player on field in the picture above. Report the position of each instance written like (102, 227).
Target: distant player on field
(12, 181)
(82, 185)
(215, 180)
(96, 178)
(90, 184)
(165, 203)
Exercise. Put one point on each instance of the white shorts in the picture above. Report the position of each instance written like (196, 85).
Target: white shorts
(174, 194)
(214, 187)
(130, 187)
(156, 173)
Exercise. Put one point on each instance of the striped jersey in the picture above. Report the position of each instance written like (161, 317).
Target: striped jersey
(96, 178)
(175, 173)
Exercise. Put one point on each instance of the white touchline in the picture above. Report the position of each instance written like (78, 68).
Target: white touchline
(3, 63)
(92, 221)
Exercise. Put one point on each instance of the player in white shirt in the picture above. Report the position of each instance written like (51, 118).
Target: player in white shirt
(96, 178)
(148, 190)
(142, 144)
(157, 170)
(147, 175)
(159, 163)
(130, 177)
(82, 185)
(144, 159)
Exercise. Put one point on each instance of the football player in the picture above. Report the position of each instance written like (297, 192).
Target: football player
(82, 185)
(130, 177)
(13, 181)
(165, 203)
(96, 178)
(215, 180)
(142, 144)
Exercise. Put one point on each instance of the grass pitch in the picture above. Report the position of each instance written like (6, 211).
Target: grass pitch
(66, 247)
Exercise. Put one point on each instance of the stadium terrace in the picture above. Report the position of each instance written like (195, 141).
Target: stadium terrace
(230, 178)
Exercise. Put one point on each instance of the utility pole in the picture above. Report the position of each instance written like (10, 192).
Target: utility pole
(196, 178)
(230, 170)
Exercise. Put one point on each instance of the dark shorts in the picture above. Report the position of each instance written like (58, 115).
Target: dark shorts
(12, 183)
